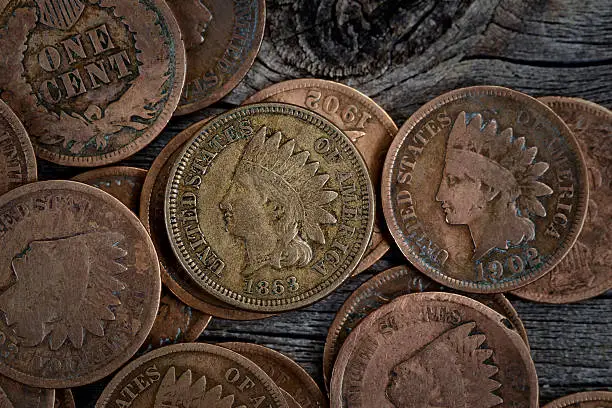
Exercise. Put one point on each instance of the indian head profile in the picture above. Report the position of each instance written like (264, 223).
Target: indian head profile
(489, 183)
(274, 204)
(194, 18)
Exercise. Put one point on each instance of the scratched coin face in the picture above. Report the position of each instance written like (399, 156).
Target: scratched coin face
(593, 399)
(269, 207)
(485, 189)
(93, 81)
(79, 283)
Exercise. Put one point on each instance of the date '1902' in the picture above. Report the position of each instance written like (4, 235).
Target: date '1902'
(496, 271)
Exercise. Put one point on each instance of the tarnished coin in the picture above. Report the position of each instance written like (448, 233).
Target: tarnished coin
(152, 217)
(384, 288)
(17, 160)
(4, 401)
(585, 272)
(593, 399)
(222, 39)
(93, 81)
(434, 350)
(485, 189)
(64, 399)
(23, 396)
(360, 118)
(80, 284)
(186, 374)
(286, 373)
(269, 207)
(291, 402)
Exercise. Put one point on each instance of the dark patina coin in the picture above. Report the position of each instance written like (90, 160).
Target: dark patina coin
(24, 396)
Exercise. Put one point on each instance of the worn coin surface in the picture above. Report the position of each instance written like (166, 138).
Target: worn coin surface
(291, 402)
(80, 284)
(17, 160)
(222, 39)
(23, 396)
(585, 272)
(286, 373)
(123, 183)
(360, 118)
(64, 399)
(269, 207)
(485, 189)
(384, 288)
(192, 375)
(93, 81)
(434, 350)
(593, 399)
(152, 217)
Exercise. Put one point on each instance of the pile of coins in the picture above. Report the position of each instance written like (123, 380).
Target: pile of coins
(270, 207)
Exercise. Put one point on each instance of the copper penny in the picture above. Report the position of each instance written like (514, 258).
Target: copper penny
(269, 207)
(434, 350)
(152, 217)
(485, 189)
(222, 39)
(80, 287)
(291, 402)
(17, 160)
(4, 401)
(593, 399)
(93, 81)
(23, 396)
(64, 399)
(192, 375)
(363, 121)
(585, 272)
(286, 373)
(384, 288)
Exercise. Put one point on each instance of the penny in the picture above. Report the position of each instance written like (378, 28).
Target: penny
(485, 189)
(64, 399)
(434, 350)
(191, 375)
(384, 288)
(285, 373)
(291, 403)
(360, 118)
(222, 39)
(269, 207)
(593, 399)
(23, 396)
(4, 401)
(80, 287)
(152, 217)
(585, 271)
(93, 81)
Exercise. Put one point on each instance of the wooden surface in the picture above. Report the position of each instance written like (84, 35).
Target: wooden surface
(403, 53)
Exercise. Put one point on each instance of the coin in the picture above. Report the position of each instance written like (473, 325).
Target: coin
(285, 373)
(387, 286)
(593, 399)
(434, 349)
(80, 287)
(360, 118)
(270, 207)
(291, 403)
(484, 189)
(222, 40)
(152, 217)
(17, 160)
(93, 81)
(585, 271)
(23, 396)
(123, 183)
(4, 401)
(64, 399)
(185, 374)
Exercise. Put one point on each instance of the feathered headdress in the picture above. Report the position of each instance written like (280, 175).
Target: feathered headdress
(182, 393)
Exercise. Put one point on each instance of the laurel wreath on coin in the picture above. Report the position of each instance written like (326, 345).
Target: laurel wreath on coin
(76, 131)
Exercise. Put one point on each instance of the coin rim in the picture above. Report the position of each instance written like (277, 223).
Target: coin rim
(104, 172)
(589, 396)
(24, 141)
(66, 398)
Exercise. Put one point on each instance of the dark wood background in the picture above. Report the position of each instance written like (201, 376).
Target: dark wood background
(403, 53)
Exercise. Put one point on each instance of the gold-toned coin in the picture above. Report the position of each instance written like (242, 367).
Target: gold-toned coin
(269, 207)
(592, 399)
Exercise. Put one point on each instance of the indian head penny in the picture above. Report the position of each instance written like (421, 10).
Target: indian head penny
(80, 284)
(585, 272)
(23, 396)
(485, 189)
(94, 81)
(593, 399)
(269, 207)
(435, 349)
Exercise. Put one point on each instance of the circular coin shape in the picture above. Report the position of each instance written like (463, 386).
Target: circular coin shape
(152, 216)
(222, 40)
(177, 375)
(585, 272)
(23, 396)
(434, 349)
(93, 81)
(80, 284)
(269, 207)
(285, 373)
(17, 160)
(367, 125)
(64, 399)
(291, 402)
(384, 288)
(484, 189)
(593, 399)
